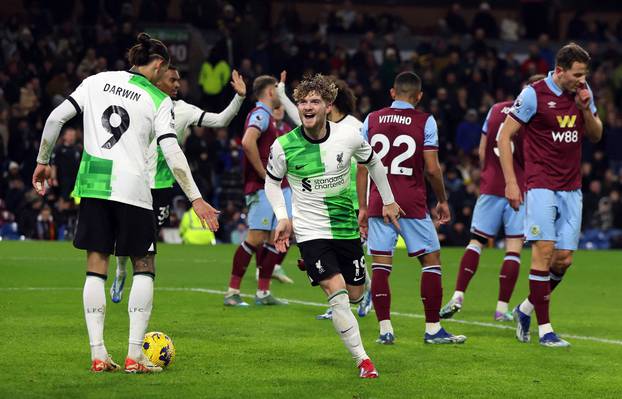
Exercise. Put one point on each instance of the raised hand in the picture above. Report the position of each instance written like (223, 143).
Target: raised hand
(237, 82)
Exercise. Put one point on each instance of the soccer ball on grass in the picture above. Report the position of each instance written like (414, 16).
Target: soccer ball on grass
(159, 349)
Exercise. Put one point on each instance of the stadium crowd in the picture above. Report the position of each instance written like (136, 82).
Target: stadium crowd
(464, 71)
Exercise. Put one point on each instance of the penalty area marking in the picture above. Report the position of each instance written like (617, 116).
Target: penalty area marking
(323, 305)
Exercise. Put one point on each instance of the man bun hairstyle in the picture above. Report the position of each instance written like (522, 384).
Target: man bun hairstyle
(147, 49)
(318, 84)
(570, 54)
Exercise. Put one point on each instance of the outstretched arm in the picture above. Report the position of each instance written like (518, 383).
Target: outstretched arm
(290, 108)
(53, 125)
(224, 118)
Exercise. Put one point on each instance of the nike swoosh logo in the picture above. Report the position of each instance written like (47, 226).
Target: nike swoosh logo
(297, 167)
(359, 279)
(345, 331)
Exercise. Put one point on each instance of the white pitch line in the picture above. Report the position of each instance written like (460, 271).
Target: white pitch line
(323, 305)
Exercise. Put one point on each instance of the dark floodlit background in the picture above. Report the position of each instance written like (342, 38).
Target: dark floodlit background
(469, 55)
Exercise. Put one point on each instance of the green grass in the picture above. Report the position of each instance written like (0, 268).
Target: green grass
(284, 352)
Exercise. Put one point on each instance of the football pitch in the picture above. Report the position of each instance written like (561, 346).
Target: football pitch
(283, 352)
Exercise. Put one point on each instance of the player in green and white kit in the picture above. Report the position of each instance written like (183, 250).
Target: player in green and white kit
(315, 157)
(123, 112)
(340, 113)
(161, 177)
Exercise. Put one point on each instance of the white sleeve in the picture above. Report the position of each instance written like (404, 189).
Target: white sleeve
(164, 127)
(365, 155)
(53, 125)
(290, 108)
(223, 119)
(276, 170)
(275, 197)
(277, 164)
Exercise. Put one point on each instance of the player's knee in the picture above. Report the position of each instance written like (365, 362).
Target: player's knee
(356, 294)
(144, 265)
(562, 262)
(431, 259)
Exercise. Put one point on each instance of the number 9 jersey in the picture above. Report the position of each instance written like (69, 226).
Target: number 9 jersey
(399, 135)
(123, 112)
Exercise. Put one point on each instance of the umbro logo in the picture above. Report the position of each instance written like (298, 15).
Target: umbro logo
(551, 104)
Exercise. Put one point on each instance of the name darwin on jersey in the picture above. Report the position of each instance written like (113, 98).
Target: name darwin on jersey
(120, 91)
(568, 136)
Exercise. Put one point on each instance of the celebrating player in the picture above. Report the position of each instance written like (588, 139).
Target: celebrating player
(407, 143)
(340, 113)
(123, 111)
(555, 114)
(161, 177)
(260, 132)
(491, 211)
(315, 157)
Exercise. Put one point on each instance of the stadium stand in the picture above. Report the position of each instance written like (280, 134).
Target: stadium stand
(469, 57)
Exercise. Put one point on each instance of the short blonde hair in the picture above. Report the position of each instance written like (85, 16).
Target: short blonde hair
(318, 84)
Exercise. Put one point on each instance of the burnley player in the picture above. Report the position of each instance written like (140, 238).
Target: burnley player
(161, 177)
(316, 157)
(406, 140)
(555, 114)
(260, 133)
(491, 211)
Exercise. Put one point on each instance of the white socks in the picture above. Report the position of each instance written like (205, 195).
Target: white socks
(502, 307)
(261, 294)
(346, 325)
(526, 307)
(432, 328)
(385, 327)
(458, 296)
(94, 299)
(139, 308)
(544, 329)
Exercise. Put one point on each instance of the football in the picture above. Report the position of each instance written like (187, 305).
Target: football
(159, 349)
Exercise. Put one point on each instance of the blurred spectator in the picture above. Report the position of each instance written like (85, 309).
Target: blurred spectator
(534, 64)
(192, 231)
(66, 162)
(46, 229)
(239, 234)
(469, 132)
(483, 19)
(455, 20)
